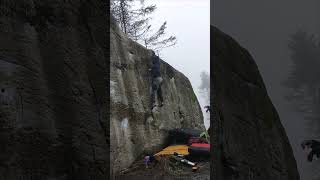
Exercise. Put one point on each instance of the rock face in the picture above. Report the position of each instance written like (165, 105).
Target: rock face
(134, 129)
(246, 125)
(53, 92)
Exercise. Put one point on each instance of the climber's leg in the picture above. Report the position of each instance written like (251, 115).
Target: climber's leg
(153, 95)
(156, 89)
(159, 92)
(310, 156)
(160, 98)
(316, 151)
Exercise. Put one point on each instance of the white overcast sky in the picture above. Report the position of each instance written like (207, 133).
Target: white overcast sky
(189, 21)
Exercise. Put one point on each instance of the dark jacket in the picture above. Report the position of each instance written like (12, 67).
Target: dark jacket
(155, 70)
(313, 144)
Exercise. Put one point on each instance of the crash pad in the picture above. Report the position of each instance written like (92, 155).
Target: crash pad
(201, 145)
(199, 150)
(170, 150)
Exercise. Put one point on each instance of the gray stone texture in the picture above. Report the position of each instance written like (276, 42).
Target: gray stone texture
(250, 133)
(135, 130)
(53, 103)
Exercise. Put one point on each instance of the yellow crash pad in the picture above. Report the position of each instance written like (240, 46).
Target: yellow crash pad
(170, 150)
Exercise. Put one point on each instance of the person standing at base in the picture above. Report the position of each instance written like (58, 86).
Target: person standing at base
(156, 81)
(314, 147)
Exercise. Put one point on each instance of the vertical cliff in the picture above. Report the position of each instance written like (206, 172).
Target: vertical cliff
(246, 127)
(134, 129)
(53, 97)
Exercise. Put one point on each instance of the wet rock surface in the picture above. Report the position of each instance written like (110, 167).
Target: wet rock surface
(135, 129)
(250, 135)
(53, 119)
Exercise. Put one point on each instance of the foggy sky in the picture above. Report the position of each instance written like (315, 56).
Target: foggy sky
(190, 23)
(264, 27)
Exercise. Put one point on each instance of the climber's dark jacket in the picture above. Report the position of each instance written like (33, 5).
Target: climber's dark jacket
(155, 70)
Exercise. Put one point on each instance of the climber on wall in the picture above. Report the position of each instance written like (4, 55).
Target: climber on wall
(156, 81)
(207, 108)
(314, 146)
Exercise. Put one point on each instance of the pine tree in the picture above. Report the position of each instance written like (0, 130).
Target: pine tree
(303, 81)
(134, 20)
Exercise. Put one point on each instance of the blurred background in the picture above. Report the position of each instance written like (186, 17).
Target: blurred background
(282, 36)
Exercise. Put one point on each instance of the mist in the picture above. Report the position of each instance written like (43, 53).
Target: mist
(190, 23)
(264, 28)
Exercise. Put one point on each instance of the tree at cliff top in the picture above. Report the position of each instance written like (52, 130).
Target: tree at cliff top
(304, 80)
(134, 20)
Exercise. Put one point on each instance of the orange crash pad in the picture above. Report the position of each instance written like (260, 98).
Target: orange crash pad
(170, 150)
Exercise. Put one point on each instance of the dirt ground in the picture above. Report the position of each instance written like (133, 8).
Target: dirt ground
(166, 169)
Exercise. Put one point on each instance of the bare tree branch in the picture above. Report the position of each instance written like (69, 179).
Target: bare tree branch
(135, 22)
